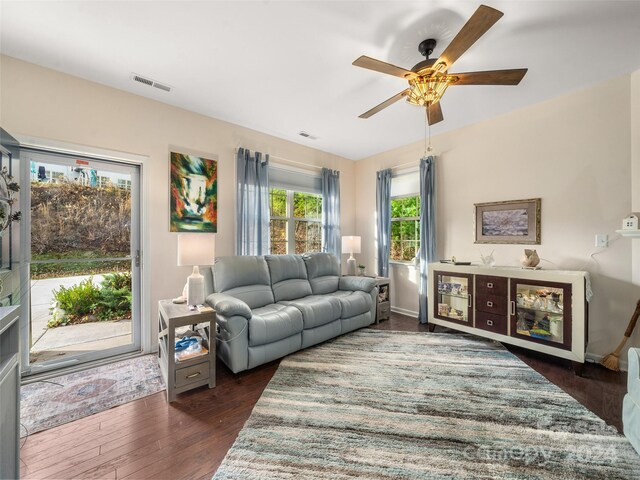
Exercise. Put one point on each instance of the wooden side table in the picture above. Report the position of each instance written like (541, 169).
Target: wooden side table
(383, 309)
(180, 376)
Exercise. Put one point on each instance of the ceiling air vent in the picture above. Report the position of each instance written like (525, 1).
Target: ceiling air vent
(152, 83)
(306, 135)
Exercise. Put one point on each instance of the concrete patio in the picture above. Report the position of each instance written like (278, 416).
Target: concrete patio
(49, 343)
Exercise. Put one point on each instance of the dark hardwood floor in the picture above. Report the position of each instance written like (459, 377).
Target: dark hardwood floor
(188, 439)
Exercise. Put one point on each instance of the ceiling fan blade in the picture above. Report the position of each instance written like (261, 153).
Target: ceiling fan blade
(385, 104)
(382, 67)
(492, 77)
(481, 21)
(434, 114)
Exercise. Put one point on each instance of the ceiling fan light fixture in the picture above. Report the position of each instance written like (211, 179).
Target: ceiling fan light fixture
(426, 90)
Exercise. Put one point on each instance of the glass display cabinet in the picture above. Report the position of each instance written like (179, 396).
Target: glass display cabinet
(454, 293)
(541, 312)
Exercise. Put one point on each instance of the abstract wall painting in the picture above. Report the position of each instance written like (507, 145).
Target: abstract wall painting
(194, 194)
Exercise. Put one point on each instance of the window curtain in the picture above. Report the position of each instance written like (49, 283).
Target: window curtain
(383, 209)
(331, 240)
(252, 177)
(427, 229)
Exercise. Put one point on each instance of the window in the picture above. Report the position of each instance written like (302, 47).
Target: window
(296, 221)
(405, 228)
(124, 184)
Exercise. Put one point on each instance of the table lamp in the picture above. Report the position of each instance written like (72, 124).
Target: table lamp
(351, 245)
(195, 249)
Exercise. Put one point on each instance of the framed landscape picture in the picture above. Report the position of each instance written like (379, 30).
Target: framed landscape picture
(194, 194)
(515, 221)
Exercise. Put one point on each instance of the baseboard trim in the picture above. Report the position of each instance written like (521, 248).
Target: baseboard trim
(404, 311)
(594, 358)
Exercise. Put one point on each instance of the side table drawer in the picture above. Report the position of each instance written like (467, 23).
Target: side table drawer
(194, 373)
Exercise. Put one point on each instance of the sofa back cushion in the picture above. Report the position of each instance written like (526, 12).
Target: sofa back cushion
(244, 277)
(323, 271)
(288, 277)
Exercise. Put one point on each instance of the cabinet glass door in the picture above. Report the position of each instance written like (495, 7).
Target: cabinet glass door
(541, 312)
(453, 294)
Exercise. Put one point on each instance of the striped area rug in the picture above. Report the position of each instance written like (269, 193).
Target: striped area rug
(396, 405)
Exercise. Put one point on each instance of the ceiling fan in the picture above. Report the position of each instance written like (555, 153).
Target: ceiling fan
(429, 78)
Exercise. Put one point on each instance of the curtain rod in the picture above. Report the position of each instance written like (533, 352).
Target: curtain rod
(297, 163)
(282, 159)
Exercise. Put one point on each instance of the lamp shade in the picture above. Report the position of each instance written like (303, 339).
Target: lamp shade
(350, 244)
(196, 249)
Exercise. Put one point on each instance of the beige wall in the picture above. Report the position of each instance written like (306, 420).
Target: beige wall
(635, 167)
(574, 152)
(43, 103)
(577, 152)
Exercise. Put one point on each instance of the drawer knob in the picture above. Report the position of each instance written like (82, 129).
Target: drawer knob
(490, 323)
(489, 304)
(489, 285)
(193, 375)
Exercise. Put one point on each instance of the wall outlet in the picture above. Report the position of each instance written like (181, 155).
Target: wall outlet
(602, 240)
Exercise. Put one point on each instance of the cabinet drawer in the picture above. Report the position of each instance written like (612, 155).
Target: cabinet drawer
(491, 304)
(492, 323)
(194, 373)
(487, 285)
(384, 310)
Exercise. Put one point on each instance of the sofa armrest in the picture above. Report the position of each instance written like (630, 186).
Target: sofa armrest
(229, 306)
(364, 284)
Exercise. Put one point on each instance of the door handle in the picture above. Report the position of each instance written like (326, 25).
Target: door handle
(469, 299)
(489, 304)
(513, 307)
(490, 323)
(489, 285)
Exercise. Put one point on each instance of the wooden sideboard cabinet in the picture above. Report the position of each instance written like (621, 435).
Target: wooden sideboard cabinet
(542, 310)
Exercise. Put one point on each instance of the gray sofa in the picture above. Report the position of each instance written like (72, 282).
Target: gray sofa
(270, 306)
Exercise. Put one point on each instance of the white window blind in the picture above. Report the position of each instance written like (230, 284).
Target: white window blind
(294, 180)
(405, 184)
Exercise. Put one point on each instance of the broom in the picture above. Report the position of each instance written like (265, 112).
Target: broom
(612, 361)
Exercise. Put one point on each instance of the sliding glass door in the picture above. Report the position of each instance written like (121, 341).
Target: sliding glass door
(84, 266)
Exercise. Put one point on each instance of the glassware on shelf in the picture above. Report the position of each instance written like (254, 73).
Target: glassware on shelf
(539, 312)
(453, 302)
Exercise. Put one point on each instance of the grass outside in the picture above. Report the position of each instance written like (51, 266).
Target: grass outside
(68, 268)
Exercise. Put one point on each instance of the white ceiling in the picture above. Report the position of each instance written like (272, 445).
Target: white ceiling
(284, 66)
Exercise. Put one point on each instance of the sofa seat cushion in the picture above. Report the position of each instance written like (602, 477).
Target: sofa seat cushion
(352, 303)
(316, 309)
(273, 322)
